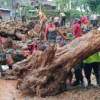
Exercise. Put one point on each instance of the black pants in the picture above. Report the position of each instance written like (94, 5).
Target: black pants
(78, 72)
(63, 21)
(88, 70)
(95, 23)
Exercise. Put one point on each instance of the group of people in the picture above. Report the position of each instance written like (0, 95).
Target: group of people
(93, 62)
(53, 36)
(14, 15)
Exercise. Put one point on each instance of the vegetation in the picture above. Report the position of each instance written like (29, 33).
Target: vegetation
(93, 5)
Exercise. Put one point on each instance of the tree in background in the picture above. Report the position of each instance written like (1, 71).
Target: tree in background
(62, 3)
(94, 5)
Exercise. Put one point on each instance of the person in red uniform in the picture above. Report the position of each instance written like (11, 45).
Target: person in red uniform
(77, 28)
(50, 33)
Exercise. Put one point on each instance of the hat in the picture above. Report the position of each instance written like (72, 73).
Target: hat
(58, 38)
(70, 36)
(30, 42)
(10, 51)
(50, 21)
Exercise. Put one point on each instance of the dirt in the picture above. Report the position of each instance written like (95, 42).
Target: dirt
(9, 92)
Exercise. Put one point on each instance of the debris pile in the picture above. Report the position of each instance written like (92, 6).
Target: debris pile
(20, 31)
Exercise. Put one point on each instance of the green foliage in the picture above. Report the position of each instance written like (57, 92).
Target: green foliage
(52, 13)
(73, 13)
(29, 8)
(94, 5)
(61, 2)
(80, 3)
(76, 14)
(30, 14)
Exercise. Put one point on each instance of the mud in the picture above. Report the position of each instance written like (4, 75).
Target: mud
(9, 92)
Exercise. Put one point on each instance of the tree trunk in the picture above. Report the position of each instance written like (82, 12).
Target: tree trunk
(44, 73)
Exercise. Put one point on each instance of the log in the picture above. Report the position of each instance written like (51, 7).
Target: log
(44, 73)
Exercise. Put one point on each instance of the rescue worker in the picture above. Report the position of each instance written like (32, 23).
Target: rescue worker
(92, 62)
(50, 34)
(77, 28)
(63, 18)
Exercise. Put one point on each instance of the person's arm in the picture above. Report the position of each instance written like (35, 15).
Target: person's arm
(61, 34)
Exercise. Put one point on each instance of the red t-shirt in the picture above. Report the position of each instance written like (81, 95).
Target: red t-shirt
(77, 30)
(50, 27)
(84, 20)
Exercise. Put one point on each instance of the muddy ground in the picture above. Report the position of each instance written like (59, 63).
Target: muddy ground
(8, 92)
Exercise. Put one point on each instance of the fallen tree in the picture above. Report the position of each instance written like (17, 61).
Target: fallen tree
(43, 72)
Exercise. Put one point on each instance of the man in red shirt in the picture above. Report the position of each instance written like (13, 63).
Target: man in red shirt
(50, 33)
(77, 28)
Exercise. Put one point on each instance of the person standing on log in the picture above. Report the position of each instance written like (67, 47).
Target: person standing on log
(50, 34)
(43, 19)
(77, 28)
(92, 62)
(63, 19)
